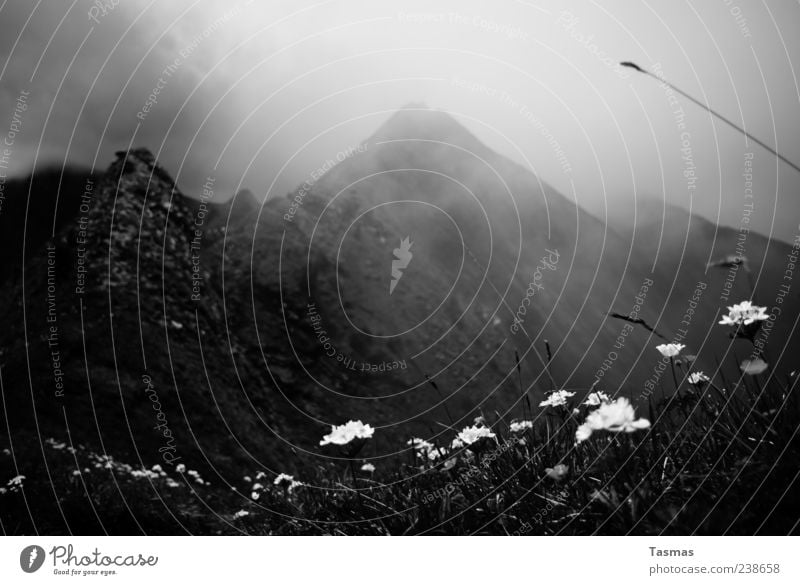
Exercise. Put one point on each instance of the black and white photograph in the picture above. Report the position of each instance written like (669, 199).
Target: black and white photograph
(424, 268)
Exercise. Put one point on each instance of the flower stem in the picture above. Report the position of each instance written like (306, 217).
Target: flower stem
(674, 376)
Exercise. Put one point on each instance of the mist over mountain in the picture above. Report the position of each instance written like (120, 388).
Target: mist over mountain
(260, 326)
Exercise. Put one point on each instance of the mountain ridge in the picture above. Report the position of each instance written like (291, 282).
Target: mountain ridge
(242, 358)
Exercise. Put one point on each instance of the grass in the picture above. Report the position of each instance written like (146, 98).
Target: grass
(720, 457)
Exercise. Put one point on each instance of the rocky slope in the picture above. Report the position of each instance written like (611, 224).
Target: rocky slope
(116, 335)
(158, 327)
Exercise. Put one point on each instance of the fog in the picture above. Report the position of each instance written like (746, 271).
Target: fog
(260, 95)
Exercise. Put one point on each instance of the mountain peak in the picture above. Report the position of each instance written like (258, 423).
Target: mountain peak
(137, 161)
(417, 121)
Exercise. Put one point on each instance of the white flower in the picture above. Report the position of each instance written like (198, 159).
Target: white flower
(615, 416)
(283, 477)
(435, 454)
(670, 349)
(753, 367)
(698, 378)
(471, 434)
(456, 443)
(180, 468)
(55, 444)
(557, 398)
(258, 486)
(16, 480)
(345, 433)
(558, 472)
(368, 467)
(743, 314)
(597, 398)
(241, 514)
(255, 495)
(420, 444)
(520, 426)
(286, 480)
(425, 450)
(584, 432)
